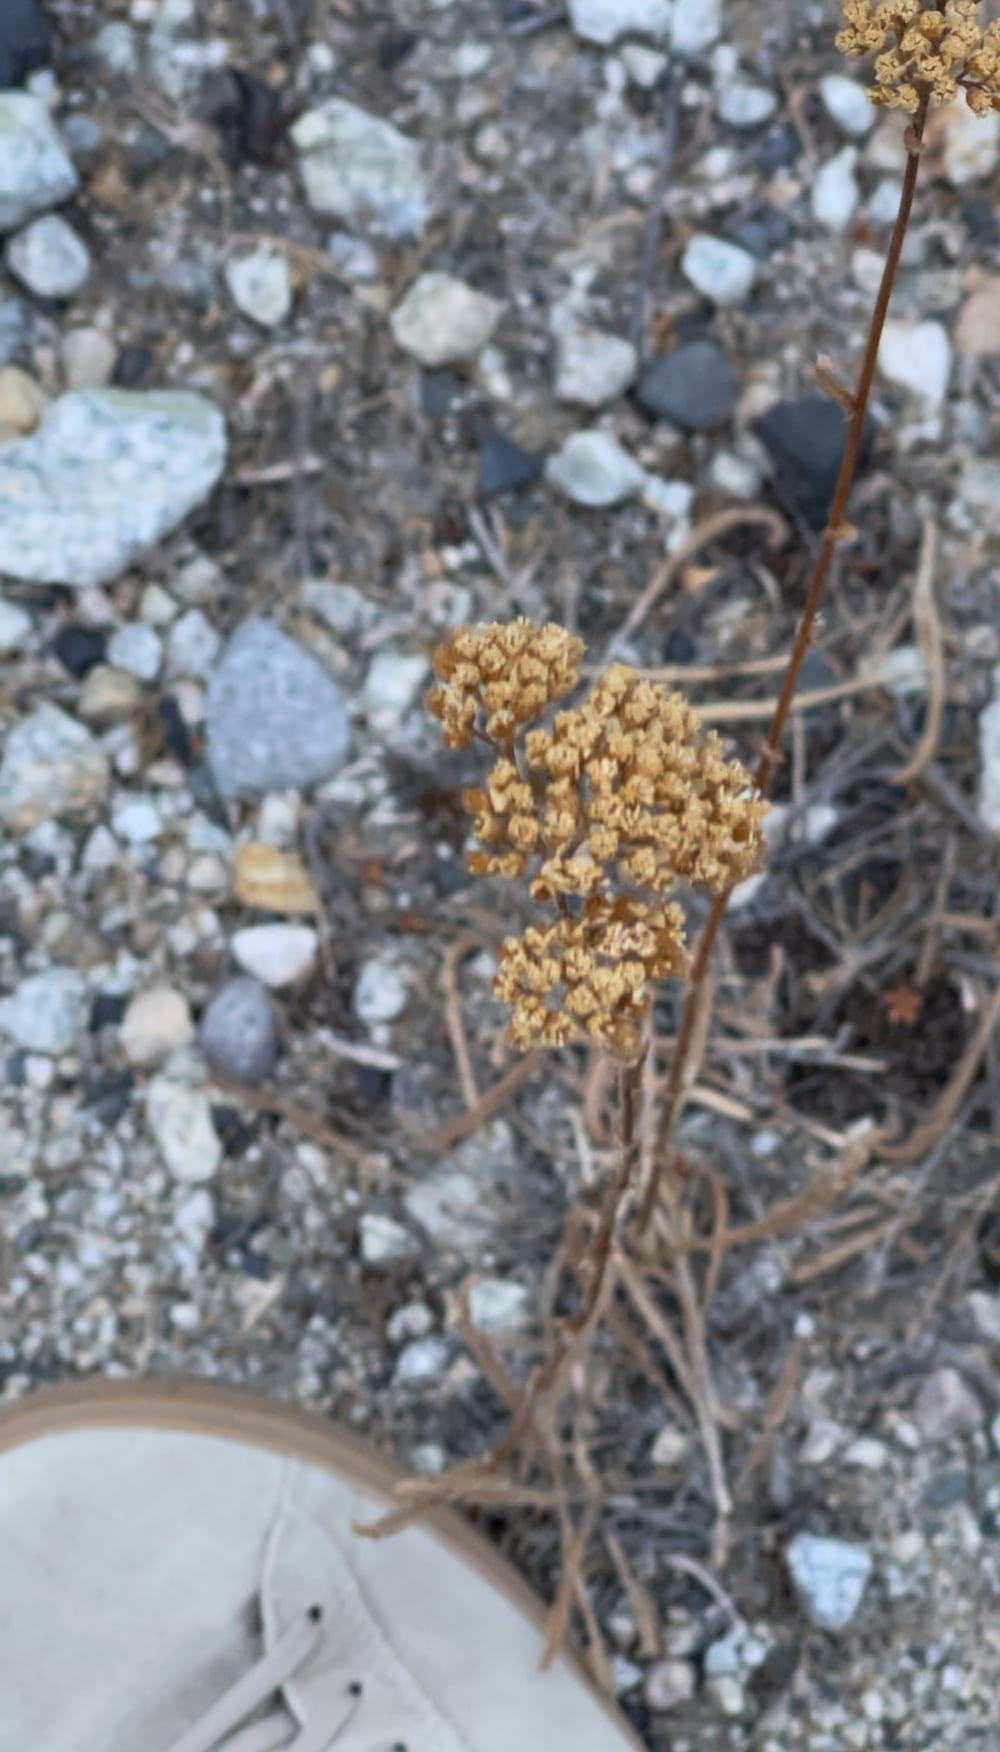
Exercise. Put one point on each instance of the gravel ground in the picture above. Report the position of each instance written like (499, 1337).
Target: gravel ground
(465, 311)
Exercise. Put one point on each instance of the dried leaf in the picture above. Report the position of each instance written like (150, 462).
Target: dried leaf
(273, 879)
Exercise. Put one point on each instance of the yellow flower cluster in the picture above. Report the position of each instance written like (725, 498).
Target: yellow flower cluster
(496, 678)
(619, 797)
(925, 51)
(593, 972)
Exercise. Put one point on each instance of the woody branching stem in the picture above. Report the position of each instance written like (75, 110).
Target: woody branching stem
(836, 531)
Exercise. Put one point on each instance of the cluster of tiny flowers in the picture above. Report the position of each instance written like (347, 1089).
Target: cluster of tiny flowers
(497, 678)
(620, 798)
(925, 52)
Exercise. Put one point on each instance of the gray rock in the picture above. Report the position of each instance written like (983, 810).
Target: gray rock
(946, 1407)
(137, 648)
(497, 1305)
(108, 474)
(694, 387)
(744, 105)
(192, 645)
(593, 469)
(274, 721)
(383, 1240)
(49, 258)
(603, 21)
(15, 328)
(989, 760)
(114, 46)
(829, 1576)
(834, 194)
(695, 25)
(846, 104)
(423, 1360)
(51, 766)
(180, 1120)
(592, 367)
(381, 991)
(88, 358)
(156, 1023)
(917, 357)
(442, 320)
(45, 1014)
(393, 684)
(361, 169)
(239, 1033)
(718, 270)
(15, 627)
(279, 954)
(261, 286)
(669, 1685)
(35, 171)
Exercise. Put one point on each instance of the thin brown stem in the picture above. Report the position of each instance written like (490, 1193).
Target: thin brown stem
(835, 532)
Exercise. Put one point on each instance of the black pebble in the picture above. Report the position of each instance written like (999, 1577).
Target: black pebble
(131, 366)
(504, 466)
(79, 648)
(176, 737)
(374, 1085)
(25, 41)
(805, 442)
(250, 116)
(694, 387)
(106, 1098)
(779, 148)
(679, 647)
(107, 1010)
(438, 391)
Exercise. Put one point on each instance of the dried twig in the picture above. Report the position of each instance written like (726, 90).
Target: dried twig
(931, 641)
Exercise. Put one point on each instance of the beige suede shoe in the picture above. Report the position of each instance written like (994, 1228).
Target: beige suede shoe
(178, 1574)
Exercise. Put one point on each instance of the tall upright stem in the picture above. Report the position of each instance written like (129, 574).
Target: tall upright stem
(835, 531)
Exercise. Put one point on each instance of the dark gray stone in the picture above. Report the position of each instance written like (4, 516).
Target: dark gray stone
(274, 720)
(694, 387)
(239, 1032)
(805, 442)
(25, 42)
(504, 466)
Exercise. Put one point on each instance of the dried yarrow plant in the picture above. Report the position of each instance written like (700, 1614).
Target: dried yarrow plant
(606, 809)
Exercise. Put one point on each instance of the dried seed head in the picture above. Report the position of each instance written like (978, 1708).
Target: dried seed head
(618, 799)
(496, 679)
(924, 51)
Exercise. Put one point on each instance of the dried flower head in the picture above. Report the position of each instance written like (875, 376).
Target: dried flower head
(617, 799)
(494, 679)
(925, 51)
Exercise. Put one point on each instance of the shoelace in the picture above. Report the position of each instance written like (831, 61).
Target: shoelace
(219, 1730)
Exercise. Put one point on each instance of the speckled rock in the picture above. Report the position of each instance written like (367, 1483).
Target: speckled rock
(49, 258)
(108, 474)
(830, 1577)
(35, 170)
(52, 766)
(593, 469)
(46, 1012)
(274, 721)
(360, 168)
(239, 1034)
(442, 320)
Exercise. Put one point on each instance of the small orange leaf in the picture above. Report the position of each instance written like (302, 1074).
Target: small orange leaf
(902, 1004)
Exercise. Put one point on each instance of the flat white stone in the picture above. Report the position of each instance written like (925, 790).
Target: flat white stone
(361, 169)
(108, 473)
(276, 954)
(604, 21)
(846, 104)
(442, 321)
(917, 357)
(49, 258)
(593, 469)
(35, 170)
(261, 286)
(717, 269)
